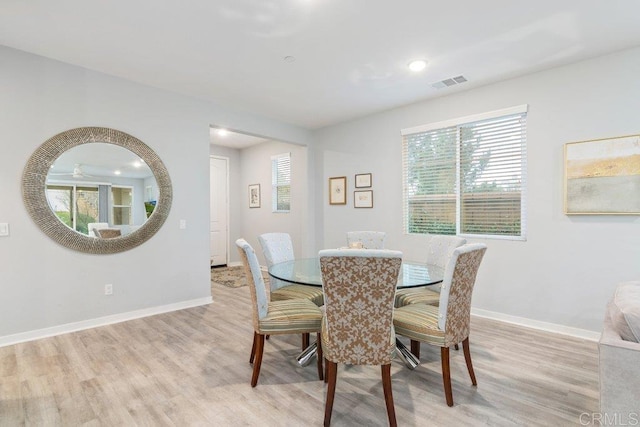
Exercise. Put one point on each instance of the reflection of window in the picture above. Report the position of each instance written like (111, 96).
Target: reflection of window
(281, 182)
(75, 206)
(121, 202)
(466, 176)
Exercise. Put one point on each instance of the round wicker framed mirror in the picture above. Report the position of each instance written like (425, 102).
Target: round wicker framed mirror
(34, 193)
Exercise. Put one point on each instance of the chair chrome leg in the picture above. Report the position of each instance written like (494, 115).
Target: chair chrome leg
(410, 360)
(307, 355)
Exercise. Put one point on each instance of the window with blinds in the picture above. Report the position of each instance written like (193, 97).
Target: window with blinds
(467, 176)
(281, 182)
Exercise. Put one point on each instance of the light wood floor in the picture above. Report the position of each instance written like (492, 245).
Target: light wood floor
(190, 367)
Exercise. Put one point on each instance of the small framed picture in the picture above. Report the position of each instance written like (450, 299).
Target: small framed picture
(363, 199)
(338, 190)
(254, 195)
(363, 180)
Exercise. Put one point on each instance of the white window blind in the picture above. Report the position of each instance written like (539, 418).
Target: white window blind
(281, 182)
(467, 177)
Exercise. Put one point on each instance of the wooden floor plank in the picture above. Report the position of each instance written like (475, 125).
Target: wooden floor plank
(190, 367)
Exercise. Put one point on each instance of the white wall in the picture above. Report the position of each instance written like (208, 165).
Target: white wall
(256, 169)
(252, 165)
(567, 269)
(45, 285)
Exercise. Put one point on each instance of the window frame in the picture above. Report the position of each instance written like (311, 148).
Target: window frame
(123, 207)
(458, 124)
(276, 184)
(73, 189)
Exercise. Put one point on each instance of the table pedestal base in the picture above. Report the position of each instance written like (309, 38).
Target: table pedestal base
(308, 354)
(409, 359)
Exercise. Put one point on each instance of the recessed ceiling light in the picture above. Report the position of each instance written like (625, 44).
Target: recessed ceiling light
(117, 172)
(137, 164)
(222, 132)
(417, 65)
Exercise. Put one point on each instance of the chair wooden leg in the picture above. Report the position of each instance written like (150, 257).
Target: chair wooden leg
(332, 373)
(446, 375)
(415, 348)
(258, 361)
(388, 394)
(319, 356)
(305, 341)
(326, 371)
(467, 358)
(253, 348)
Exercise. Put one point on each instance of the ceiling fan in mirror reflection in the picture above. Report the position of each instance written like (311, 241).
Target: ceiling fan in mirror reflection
(77, 172)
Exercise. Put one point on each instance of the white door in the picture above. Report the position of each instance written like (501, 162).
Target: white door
(218, 201)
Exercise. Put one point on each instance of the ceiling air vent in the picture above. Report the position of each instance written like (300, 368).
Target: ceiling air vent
(449, 82)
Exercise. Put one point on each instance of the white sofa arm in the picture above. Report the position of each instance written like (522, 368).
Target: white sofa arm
(619, 376)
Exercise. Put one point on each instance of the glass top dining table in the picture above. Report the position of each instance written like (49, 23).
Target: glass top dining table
(306, 271)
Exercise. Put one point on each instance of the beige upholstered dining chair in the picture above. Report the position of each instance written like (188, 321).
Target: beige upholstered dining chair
(276, 248)
(293, 316)
(439, 250)
(357, 329)
(93, 227)
(108, 233)
(449, 323)
(366, 239)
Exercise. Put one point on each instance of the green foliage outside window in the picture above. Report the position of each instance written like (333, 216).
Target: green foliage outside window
(484, 178)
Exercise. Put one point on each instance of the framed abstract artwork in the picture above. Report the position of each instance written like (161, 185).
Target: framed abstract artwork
(602, 176)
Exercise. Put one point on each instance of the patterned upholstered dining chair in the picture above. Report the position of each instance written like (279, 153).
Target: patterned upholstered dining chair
(367, 239)
(293, 316)
(359, 287)
(449, 323)
(439, 250)
(276, 248)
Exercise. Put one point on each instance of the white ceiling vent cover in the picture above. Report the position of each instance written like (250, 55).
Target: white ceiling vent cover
(449, 82)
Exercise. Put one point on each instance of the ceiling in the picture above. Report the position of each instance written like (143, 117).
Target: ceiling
(350, 57)
(234, 139)
(98, 161)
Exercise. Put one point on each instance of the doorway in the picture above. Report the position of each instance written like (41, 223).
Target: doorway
(219, 208)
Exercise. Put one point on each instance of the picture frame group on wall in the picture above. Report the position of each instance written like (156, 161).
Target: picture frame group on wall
(254, 195)
(338, 190)
(602, 176)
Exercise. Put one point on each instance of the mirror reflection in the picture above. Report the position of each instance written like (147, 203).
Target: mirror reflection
(101, 190)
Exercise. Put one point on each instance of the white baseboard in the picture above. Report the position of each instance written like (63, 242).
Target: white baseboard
(536, 324)
(235, 264)
(100, 321)
(123, 317)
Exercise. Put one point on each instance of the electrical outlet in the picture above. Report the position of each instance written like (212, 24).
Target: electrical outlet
(183, 224)
(108, 289)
